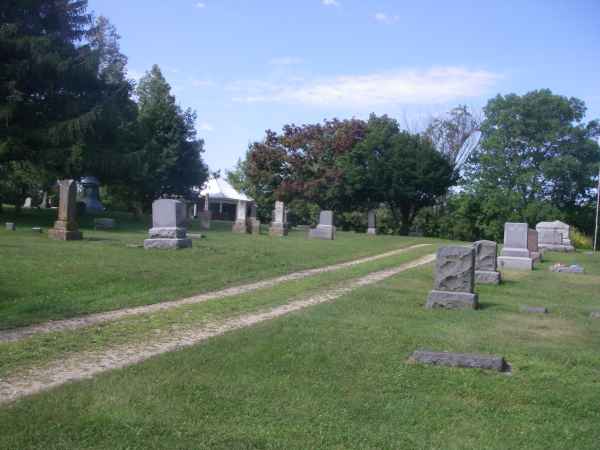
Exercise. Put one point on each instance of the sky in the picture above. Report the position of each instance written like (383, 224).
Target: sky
(246, 66)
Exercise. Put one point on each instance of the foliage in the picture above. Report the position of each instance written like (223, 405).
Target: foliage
(580, 240)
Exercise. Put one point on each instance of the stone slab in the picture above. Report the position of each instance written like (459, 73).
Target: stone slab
(595, 315)
(324, 232)
(515, 235)
(167, 244)
(167, 233)
(372, 219)
(204, 217)
(534, 309)
(326, 218)
(36, 229)
(487, 277)
(168, 213)
(486, 255)
(372, 231)
(455, 269)
(462, 360)
(452, 300)
(60, 234)
(10, 226)
(557, 247)
(104, 223)
(514, 263)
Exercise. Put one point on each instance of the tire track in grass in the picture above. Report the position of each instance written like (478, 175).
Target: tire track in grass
(18, 334)
(88, 364)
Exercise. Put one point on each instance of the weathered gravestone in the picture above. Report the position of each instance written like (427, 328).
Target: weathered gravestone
(535, 309)
(66, 228)
(462, 360)
(515, 254)
(595, 315)
(532, 245)
(254, 222)
(104, 223)
(10, 226)
(486, 262)
(554, 236)
(168, 225)
(279, 226)
(205, 217)
(241, 223)
(454, 279)
(372, 222)
(325, 229)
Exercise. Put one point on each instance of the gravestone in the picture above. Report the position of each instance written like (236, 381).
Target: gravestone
(66, 228)
(554, 236)
(168, 225)
(104, 223)
(241, 223)
(515, 255)
(10, 226)
(454, 279)
(595, 315)
(91, 195)
(372, 222)
(532, 245)
(325, 229)
(463, 360)
(37, 229)
(254, 222)
(486, 262)
(27, 203)
(279, 226)
(560, 267)
(205, 217)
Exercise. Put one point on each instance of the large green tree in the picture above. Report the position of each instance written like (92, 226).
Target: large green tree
(538, 160)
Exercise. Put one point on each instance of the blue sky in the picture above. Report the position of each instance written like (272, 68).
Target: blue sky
(246, 66)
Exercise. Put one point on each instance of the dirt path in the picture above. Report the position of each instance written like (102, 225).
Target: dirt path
(88, 364)
(94, 319)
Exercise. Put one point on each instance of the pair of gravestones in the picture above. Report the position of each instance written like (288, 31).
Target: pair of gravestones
(458, 269)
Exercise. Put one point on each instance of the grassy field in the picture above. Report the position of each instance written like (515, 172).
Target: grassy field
(335, 376)
(42, 279)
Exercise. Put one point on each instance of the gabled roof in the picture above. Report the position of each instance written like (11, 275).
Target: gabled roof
(220, 189)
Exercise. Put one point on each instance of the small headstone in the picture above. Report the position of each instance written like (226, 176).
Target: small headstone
(27, 203)
(515, 254)
(36, 229)
(66, 228)
(168, 225)
(573, 268)
(595, 315)
(241, 223)
(535, 309)
(486, 262)
(462, 360)
(104, 223)
(532, 245)
(10, 226)
(279, 226)
(554, 236)
(372, 222)
(325, 229)
(205, 217)
(454, 279)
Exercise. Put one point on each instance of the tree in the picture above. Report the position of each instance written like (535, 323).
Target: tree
(168, 161)
(395, 167)
(537, 155)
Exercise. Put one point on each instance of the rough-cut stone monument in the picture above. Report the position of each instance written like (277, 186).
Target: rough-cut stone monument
(454, 279)
(168, 225)
(463, 360)
(533, 246)
(325, 229)
(279, 226)
(554, 236)
(515, 254)
(486, 262)
(372, 222)
(241, 223)
(254, 222)
(66, 228)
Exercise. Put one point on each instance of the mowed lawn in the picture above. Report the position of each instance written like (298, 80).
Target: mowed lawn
(336, 376)
(42, 279)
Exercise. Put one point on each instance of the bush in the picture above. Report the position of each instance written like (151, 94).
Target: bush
(580, 240)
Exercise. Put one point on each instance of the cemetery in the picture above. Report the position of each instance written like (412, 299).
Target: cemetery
(358, 282)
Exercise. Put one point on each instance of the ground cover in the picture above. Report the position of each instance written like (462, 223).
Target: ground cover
(41, 279)
(336, 376)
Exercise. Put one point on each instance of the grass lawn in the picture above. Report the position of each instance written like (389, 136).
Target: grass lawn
(42, 279)
(335, 376)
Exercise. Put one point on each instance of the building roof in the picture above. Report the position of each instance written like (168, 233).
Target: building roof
(220, 189)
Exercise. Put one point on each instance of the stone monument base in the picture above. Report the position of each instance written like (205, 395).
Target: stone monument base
(65, 235)
(240, 226)
(326, 232)
(167, 232)
(278, 229)
(487, 277)
(167, 243)
(372, 231)
(557, 247)
(515, 263)
(516, 252)
(452, 300)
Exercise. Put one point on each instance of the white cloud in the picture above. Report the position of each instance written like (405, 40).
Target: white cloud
(386, 18)
(205, 126)
(286, 61)
(433, 86)
(200, 5)
(330, 3)
(200, 83)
